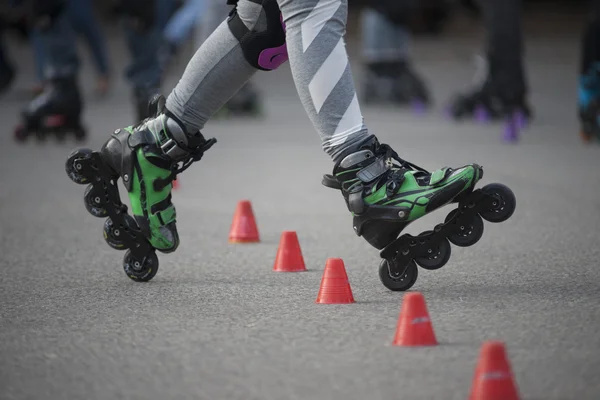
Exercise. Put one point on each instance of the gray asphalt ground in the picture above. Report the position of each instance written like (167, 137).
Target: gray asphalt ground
(217, 323)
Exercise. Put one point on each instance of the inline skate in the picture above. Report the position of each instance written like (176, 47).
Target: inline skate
(147, 157)
(396, 83)
(57, 111)
(385, 194)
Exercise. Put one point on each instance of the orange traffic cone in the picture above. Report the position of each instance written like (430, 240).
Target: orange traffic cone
(243, 229)
(335, 287)
(493, 378)
(414, 325)
(289, 256)
(175, 184)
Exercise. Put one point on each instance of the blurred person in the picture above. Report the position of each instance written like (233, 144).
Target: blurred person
(500, 88)
(7, 70)
(82, 17)
(589, 77)
(383, 192)
(58, 107)
(390, 76)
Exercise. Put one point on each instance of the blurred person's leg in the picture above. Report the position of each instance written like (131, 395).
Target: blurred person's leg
(84, 22)
(7, 70)
(61, 97)
(143, 40)
(503, 89)
(370, 175)
(180, 27)
(389, 77)
(39, 58)
(589, 78)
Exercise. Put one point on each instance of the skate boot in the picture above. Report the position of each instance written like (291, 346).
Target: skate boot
(147, 157)
(385, 194)
(397, 83)
(57, 110)
(589, 104)
(486, 101)
(245, 103)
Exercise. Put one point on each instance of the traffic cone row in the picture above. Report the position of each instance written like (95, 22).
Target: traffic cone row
(493, 378)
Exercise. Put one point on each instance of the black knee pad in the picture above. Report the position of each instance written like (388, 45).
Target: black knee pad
(264, 50)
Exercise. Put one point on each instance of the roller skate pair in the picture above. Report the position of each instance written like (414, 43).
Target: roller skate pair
(385, 194)
(147, 157)
(395, 83)
(589, 104)
(56, 111)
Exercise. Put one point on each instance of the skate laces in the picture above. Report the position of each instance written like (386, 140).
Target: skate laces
(391, 156)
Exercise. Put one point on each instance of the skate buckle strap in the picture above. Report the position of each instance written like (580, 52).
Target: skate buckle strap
(194, 155)
(373, 170)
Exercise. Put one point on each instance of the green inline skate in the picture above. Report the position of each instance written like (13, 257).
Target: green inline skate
(385, 194)
(147, 157)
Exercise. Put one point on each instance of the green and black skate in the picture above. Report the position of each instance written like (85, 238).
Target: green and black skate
(385, 194)
(147, 157)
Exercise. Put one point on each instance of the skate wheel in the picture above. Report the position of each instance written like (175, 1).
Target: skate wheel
(73, 168)
(398, 282)
(140, 270)
(438, 256)
(112, 235)
(93, 202)
(21, 134)
(504, 205)
(466, 235)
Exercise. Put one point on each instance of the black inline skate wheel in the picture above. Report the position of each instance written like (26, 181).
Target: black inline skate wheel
(467, 234)
(402, 281)
(504, 206)
(438, 256)
(73, 169)
(93, 203)
(140, 270)
(112, 235)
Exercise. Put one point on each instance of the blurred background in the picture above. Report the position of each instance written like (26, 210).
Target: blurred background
(511, 86)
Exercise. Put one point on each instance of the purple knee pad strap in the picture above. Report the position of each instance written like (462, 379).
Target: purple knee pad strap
(273, 57)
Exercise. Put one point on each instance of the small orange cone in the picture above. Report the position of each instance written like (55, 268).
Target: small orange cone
(493, 378)
(175, 184)
(243, 229)
(289, 256)
(414, 325)
(335, 287)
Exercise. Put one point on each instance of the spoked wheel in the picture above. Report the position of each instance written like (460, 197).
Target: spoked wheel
(93, 203)
(467, 234)
(140, 270)
(112, 235)
(438, 254)
(398, 281)
(504, 204)
(73, 167)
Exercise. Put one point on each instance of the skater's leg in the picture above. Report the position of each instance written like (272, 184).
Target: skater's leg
(7, 71)
(84, 22)
(61, 95)
(219, 68)
(183, 21)
(505, 47)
